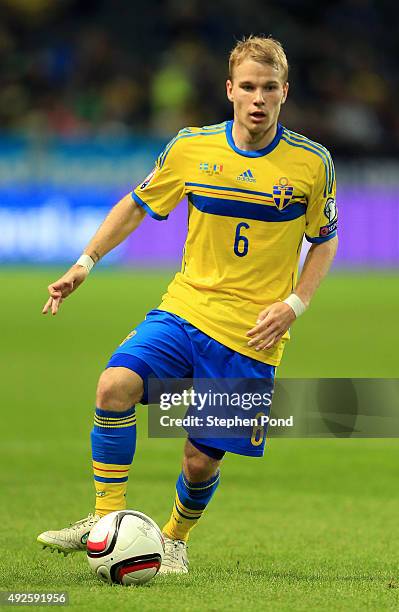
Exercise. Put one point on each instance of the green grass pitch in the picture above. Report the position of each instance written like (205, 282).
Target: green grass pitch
(312, 526)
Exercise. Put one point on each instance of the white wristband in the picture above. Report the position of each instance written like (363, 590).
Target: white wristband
(296, 304)
(85, 261)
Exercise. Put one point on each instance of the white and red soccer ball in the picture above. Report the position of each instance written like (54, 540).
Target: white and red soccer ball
(125, 547)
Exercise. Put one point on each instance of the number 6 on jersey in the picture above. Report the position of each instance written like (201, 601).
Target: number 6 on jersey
(241, 242)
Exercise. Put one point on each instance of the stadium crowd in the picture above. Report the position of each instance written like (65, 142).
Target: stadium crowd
(82, 68)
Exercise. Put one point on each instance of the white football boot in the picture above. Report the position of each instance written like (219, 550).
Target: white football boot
(175, 560)
(70, 539)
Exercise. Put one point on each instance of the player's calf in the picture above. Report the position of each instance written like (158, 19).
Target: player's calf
(195, 488)
(113, 437)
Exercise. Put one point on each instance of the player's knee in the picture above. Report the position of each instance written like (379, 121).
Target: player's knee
(198, 467)
(118, 389)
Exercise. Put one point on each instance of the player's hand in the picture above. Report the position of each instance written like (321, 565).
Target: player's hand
(271, 325)
(63, 287)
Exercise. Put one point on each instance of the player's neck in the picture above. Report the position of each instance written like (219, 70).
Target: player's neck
(249, 141)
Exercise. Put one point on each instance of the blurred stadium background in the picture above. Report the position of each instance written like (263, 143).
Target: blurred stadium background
(91, 91)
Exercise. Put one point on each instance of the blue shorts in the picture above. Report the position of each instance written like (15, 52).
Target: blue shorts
(167, 346)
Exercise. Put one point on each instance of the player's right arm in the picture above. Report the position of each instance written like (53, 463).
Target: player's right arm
(158, 195)
(122, 220)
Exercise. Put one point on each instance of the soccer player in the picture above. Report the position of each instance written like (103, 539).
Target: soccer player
(254, 189)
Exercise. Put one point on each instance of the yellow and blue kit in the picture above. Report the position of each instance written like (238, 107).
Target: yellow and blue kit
(248, 212)
(166, 346)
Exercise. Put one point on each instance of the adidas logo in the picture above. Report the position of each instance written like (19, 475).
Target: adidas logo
(246, 176)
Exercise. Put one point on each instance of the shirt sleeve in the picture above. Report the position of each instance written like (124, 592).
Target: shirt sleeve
(321, 213)
(164, 187)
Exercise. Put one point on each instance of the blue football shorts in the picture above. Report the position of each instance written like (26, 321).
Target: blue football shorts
(165, 346)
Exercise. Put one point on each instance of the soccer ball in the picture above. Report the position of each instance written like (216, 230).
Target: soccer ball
(125, 547)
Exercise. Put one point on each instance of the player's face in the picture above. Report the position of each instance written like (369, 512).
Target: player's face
(257, 93)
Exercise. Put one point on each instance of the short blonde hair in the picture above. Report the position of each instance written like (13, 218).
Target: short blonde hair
(262, 49)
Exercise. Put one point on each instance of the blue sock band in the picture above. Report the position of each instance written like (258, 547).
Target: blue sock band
(113, 438)
(196, 495)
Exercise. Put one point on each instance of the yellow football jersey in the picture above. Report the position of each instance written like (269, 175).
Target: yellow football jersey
(247, 214)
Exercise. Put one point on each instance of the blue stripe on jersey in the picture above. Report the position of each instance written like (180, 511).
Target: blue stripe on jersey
(316, 145)
(300, 138)
(246, 210)
(320, 152)
(302, 146)
(320, 239)
(171, 142)
(217, 187)
(185, 134)
(149, 210)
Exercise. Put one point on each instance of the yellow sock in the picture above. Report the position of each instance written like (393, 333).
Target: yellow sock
(113, 441)
(110, 496)
(181, 522)
(190, 503)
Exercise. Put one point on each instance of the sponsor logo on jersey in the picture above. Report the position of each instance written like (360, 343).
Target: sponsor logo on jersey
(246, 176)
(330, 209)
(282, 193)
(147, 180)
(211, 168)
(326, 230)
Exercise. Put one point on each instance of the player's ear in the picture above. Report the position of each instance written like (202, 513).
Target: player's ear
(229, 90)
(286, 87)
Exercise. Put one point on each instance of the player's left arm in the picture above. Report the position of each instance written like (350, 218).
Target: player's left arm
(321, 229)
(317, 264)
(274, 321)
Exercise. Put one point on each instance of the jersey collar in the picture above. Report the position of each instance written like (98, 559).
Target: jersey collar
(259, 152)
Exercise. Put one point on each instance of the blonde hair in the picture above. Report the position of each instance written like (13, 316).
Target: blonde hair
(262, 49)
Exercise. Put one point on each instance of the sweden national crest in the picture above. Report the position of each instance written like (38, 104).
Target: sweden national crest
(282, 193)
